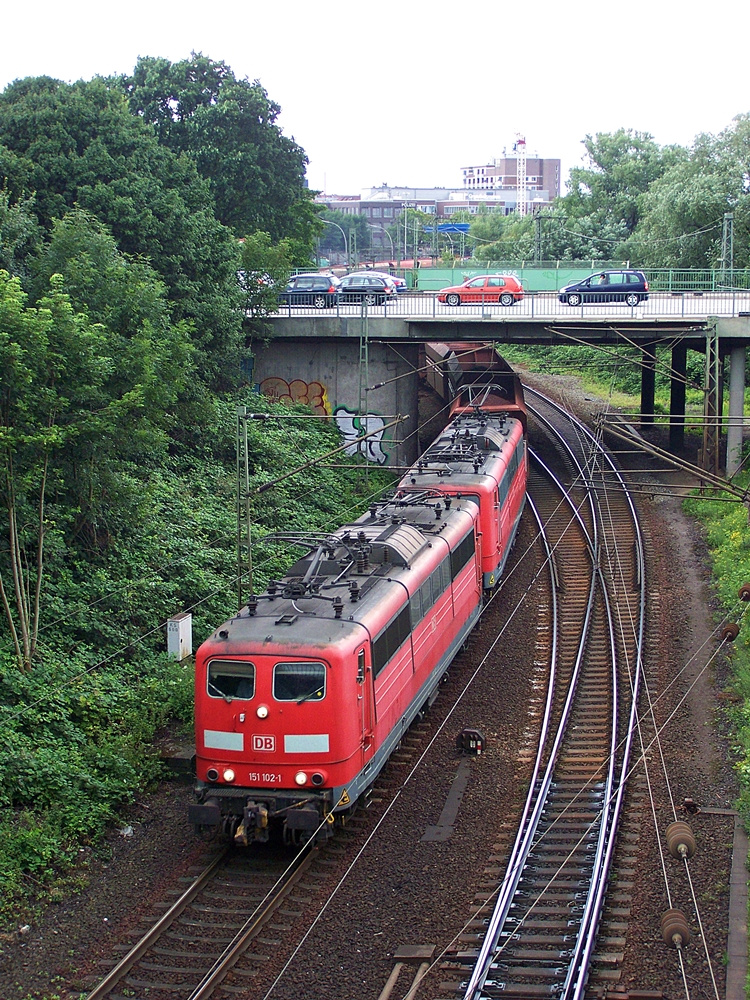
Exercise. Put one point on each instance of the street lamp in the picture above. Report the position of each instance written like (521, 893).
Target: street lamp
(393, 252)
(328, 222)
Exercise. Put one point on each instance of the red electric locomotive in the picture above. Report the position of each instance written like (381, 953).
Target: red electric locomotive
(303, 695)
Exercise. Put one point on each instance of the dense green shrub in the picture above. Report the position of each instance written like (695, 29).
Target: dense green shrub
(76, 746)
(728, 538)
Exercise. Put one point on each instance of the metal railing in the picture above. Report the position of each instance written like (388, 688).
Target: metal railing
(549, 275)
(699, 304)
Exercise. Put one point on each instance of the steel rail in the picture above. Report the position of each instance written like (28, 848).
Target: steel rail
(228, 958)
(588, 459)
(585, 945)
(155, 932)
(580, 961)
(528, 824)
(537, 795)
(242, 939)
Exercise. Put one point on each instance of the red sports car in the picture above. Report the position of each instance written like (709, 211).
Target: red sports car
(487, 288)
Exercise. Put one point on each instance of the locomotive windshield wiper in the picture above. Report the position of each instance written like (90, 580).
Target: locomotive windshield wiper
(227, 698)
(316, 692)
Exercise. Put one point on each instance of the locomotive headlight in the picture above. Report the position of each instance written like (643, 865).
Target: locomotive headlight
(229, 774)
(262, 711)
(300, 777)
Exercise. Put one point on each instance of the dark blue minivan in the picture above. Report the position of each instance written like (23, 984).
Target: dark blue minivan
(629, 287)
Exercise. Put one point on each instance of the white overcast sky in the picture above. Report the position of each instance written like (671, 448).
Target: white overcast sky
(408, 93)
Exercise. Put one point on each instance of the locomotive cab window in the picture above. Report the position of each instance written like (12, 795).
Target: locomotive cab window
(299, 682)
(230, 679)
(514, 462)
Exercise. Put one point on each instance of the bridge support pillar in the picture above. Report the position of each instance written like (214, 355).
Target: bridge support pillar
(736, 409)
(677, 389)
(648, 383)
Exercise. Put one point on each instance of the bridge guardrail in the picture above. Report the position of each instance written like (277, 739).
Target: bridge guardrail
(548, 276)
(544, 305)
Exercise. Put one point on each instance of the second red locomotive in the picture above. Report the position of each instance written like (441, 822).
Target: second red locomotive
(303, 695)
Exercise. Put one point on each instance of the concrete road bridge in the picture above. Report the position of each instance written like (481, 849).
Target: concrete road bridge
(360, 364)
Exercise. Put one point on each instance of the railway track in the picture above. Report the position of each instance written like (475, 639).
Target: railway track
(232, 908)
(538, 936)
(237, 915)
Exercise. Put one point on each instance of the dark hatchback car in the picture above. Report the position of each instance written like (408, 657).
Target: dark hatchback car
(629, 287)
(373, 289)
(318, 290)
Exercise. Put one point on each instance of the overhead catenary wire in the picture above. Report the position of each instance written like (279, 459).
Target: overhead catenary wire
(596, 448)
(635, 672)
(643, 755)
(28, 706)
(672, 373)
(159, 627)
(413, 771)
(178, 560)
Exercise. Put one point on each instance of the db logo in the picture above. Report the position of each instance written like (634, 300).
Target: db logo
(264, 742)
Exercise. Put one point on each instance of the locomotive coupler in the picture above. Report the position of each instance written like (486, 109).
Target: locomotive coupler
(254, 825)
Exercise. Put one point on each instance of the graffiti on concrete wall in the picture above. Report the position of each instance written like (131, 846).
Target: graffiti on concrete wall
(312, 394)
(352, 426)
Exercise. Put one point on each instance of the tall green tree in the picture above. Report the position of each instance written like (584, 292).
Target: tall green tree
(53, 368)
(265, 268)
(604, 202)
(20, 235)
(336, 228)
(595, 236)
(683, 212)
(81, 406)
(115, 289)
(228, 127)
(411, 235)
(502, 237)
(622, 165)
(80, 145)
